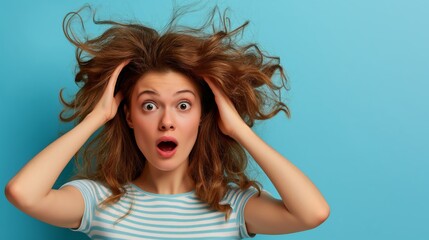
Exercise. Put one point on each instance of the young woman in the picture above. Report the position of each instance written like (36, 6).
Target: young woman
(175, 111)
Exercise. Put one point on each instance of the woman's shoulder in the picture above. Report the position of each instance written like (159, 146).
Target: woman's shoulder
(237, 197)
(90, 187)
(84, 182)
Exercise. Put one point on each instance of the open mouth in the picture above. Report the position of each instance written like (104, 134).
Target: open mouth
(167, 146)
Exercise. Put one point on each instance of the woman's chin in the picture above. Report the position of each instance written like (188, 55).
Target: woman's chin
(167, 165)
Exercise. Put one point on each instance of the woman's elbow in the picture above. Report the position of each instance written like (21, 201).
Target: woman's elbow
(15, 195)
(318, 217)
(11, 193)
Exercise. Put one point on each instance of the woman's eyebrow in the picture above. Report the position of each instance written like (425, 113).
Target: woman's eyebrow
(150, 92)
(185, 91)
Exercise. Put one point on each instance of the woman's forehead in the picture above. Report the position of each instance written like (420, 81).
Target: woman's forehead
(166, 83)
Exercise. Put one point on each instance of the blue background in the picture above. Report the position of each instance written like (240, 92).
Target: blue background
(359, 78)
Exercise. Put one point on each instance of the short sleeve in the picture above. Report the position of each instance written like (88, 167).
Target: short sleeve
(238, 199)
(90, 192)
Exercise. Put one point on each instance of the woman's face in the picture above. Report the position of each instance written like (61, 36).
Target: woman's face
(165, 112)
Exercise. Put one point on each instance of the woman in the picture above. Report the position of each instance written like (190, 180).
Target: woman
(175, 112)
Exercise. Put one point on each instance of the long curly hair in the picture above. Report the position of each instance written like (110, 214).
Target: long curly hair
(243, 72)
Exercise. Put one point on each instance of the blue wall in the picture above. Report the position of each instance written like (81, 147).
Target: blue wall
(359, 77)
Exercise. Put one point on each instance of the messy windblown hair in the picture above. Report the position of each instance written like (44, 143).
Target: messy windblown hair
(243, 72)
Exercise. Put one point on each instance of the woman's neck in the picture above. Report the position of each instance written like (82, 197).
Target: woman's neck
(162, 182)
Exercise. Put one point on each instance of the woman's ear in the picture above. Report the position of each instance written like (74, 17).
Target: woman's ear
(128, 116)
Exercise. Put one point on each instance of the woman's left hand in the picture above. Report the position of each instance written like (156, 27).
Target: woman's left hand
(302, 205)
(229, 120)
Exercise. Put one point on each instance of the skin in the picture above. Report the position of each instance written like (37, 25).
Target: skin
(301, 206)
(165, 104)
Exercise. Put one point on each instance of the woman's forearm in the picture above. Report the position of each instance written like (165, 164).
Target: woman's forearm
(299, 195)
(34, 181)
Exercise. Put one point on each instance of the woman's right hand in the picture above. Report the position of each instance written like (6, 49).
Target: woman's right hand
(32, 192)
(107, 106)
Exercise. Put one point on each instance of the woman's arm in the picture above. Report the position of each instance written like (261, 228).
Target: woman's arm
(302, 206)
(31, 188)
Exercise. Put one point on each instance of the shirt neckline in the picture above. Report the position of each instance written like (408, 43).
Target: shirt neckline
(162, 195)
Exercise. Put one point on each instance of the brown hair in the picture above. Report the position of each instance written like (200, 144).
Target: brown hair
(243, 72)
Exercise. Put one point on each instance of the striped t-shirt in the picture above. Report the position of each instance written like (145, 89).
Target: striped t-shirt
(159, 216)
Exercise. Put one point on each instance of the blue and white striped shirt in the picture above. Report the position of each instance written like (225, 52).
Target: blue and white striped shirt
(159, 216)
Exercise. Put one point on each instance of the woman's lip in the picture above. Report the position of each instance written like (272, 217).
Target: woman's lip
(166, 154)
(166, 139)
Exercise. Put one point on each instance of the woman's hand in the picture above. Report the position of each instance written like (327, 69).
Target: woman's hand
(230, 121)
(32, 192)
(302, 205)
(108, 104)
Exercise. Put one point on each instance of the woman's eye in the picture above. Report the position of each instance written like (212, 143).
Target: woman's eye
(183, 106)
(149, 106)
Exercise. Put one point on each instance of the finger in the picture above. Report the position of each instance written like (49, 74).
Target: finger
(119, 68)
(216, 91)
(114, 77)
(118, 98)
(220, 95)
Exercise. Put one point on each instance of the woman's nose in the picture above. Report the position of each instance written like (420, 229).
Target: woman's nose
(166, 122)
